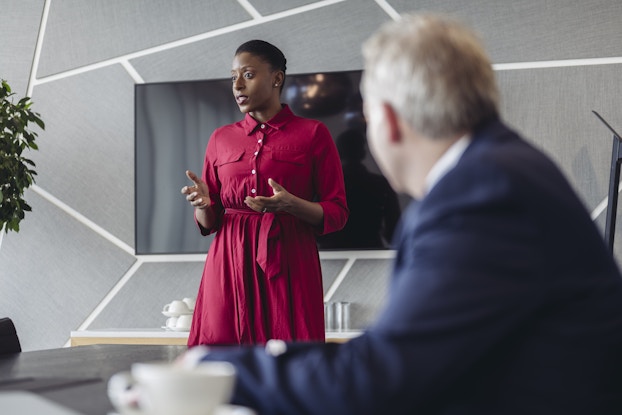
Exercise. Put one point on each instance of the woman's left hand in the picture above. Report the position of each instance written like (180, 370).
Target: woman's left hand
(278, 202)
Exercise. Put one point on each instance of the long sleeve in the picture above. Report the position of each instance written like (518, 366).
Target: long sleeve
(328, 181)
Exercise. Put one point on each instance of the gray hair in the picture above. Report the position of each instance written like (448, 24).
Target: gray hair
(433, 71)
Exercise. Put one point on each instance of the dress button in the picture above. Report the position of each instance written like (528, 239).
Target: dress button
(256, 152)
(263, 126)
(259, 141)
(253, 191)
(253, 171)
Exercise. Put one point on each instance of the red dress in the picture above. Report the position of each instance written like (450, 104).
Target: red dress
(262, 278)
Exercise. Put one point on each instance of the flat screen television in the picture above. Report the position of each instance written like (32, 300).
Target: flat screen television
(174, 120)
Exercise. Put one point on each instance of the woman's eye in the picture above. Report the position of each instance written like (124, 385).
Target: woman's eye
(248, 75)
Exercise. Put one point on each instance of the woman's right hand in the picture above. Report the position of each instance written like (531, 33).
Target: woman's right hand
(197, 194)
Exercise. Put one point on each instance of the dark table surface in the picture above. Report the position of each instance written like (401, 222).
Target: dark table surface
(77, 377)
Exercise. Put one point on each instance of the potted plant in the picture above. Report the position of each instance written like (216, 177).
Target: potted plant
(16, 171)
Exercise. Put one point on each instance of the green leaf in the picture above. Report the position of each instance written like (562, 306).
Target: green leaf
(6, 86)
(16, 134)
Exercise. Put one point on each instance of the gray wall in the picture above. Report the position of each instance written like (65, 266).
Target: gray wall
(72, 266)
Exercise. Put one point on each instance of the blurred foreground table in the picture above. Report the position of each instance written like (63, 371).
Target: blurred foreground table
(77, 377)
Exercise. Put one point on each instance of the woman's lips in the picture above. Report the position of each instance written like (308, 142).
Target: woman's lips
(241, 99)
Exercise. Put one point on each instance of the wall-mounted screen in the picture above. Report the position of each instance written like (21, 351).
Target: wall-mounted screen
(174, 120)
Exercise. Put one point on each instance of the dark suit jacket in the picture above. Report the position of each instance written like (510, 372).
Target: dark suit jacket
(503, 300)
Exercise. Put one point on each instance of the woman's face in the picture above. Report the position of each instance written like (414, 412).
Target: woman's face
(255, 85)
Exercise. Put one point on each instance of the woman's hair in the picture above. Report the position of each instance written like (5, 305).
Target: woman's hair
(266, 52)
(434, 72)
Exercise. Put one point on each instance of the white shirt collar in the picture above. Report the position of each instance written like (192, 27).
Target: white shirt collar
(446, 162)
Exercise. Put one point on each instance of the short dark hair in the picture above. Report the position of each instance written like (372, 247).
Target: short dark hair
(266, 51)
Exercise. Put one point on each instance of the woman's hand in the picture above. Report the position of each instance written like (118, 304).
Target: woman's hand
(280, 200)
(198, 194)
(283, 201)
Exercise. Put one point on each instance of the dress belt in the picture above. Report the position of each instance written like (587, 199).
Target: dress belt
(269, 249)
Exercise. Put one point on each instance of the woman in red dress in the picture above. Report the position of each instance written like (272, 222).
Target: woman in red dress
(270, 184)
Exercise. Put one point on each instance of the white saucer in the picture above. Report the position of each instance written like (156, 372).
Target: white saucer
(175, 314)
(174, 328)
(233, 410)
(222, 410)
(179, 329)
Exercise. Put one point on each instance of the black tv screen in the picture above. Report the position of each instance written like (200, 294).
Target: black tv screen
(174, 120)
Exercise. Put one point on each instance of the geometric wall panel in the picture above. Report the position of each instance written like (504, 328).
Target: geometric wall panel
(80, 33)
(53, 273)
(140, 301)
(18, 31)
(266, 7)
(553, 108)
(535, 30)
(366, 289)
(89, 120)
(330, 270)
(211, 58)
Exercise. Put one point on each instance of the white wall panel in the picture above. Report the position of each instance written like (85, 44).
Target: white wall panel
(553, 108)
(19, 30)
(311, 41)
(536, 30)
(85, 32)
(53, 273)
(86, 154)
(267, 7)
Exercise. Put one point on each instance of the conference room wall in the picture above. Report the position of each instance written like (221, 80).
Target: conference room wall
(72, 265)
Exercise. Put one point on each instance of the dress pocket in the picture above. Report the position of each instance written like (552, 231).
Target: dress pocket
(289, 156)
(229, 156)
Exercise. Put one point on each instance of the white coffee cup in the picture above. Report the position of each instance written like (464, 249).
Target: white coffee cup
(190, 302)
(183, 322)
(177, 307)
(171, 322)
(162, 388)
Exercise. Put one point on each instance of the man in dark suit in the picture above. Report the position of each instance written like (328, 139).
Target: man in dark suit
(503, 298)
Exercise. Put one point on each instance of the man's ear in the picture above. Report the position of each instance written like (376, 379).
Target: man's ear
(393, 122)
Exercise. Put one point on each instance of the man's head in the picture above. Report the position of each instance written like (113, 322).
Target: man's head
(433, 71)
(431, 75)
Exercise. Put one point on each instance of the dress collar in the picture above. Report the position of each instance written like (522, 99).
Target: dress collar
(278, 121)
